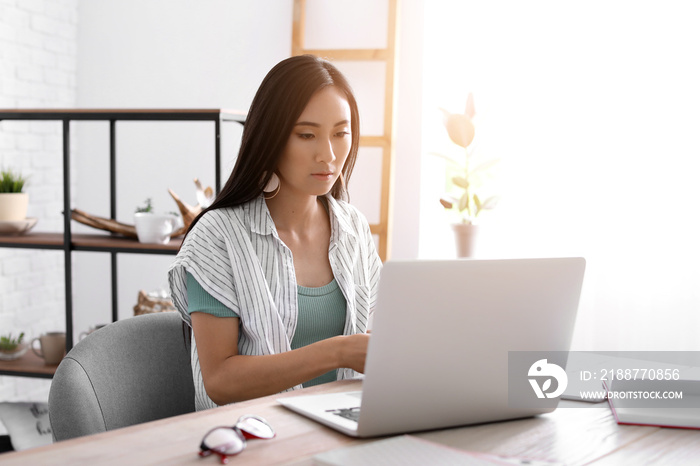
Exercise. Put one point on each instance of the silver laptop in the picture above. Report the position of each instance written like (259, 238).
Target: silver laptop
(438, 354)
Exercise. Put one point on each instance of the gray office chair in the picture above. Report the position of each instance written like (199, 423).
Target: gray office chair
(132, 371)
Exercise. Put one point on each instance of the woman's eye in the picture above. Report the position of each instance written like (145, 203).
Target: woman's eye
(306, 135)
(342, 134)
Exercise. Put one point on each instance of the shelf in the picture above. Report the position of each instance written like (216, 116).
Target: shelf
(107, 243)
(67, 241)
(145, 114)
(33, 241)
(89, 242)
(29, 365)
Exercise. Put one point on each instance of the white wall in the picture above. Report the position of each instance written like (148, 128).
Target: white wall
(155, 53)
(161, 54)
(165, 53)
(37, 69)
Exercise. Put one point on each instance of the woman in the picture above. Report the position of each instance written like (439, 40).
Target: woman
(278, 277)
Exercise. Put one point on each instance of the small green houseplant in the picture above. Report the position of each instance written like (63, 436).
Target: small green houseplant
(11, 347)
(148, 208)
(152, 227)
(466, 177)
(11, 182)
(13, 201)
(10, 344)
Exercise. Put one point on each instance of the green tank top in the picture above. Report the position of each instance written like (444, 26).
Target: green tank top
(321, 315)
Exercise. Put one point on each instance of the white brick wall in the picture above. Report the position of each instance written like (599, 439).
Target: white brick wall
(37, 70)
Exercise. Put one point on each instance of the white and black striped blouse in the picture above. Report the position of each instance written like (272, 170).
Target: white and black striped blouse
(237, 256)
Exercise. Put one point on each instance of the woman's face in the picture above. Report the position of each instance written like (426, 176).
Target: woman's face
(318, 146)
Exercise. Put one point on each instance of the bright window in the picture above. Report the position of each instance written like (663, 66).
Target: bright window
(594, 110)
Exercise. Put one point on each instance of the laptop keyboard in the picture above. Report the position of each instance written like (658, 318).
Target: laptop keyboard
(348, 413)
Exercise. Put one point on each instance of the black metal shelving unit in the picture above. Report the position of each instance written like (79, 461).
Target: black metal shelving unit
(69, 242)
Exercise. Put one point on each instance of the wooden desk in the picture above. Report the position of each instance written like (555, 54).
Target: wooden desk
(572, 436)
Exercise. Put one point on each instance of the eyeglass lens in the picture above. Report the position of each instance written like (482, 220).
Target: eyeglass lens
(255, 427)
(228, 441)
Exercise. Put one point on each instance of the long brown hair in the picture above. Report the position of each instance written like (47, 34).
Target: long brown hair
(281, 98)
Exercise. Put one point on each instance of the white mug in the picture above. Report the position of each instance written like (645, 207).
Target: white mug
(154, 228)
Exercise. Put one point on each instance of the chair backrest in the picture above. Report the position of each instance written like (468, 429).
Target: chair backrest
(131, 371)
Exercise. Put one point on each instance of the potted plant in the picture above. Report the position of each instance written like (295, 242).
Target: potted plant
(13, 202)
(11, 347)
(152, 227)
(466, 177)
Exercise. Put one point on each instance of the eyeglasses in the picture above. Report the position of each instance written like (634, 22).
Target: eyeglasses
(228, 441)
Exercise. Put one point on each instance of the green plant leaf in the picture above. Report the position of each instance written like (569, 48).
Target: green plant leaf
(11, 182)
(460, 181)
(477, 203)
(9, 343)
(463, 202)
(147, 208)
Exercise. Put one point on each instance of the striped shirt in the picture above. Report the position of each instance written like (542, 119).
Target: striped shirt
(321, 315)
(237, 256)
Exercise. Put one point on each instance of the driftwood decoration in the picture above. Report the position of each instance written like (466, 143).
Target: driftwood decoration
(188, 212)
(101, 223)
(113, 226)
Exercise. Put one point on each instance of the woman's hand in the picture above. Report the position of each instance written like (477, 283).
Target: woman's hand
(230, 377)
(353, 351)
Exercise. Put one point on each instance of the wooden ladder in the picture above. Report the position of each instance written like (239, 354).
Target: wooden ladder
(386, 140)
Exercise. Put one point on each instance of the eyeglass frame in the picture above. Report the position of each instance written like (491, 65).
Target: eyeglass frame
(243, 435)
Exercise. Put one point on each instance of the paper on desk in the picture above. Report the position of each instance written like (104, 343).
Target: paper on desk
(408, 450)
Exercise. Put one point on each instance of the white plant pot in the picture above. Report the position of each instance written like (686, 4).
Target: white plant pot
(13, 206)
(154, 228)
(465, 239)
